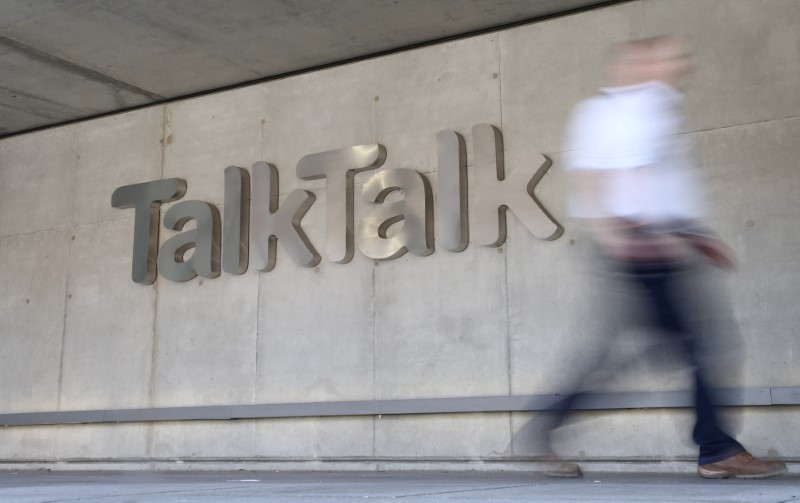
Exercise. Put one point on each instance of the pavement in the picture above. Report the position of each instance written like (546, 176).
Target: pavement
(414, 487)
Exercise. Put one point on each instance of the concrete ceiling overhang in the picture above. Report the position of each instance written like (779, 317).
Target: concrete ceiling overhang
(67, 60)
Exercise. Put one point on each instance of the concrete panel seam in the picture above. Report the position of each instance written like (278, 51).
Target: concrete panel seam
(745, 124)
(76, 69)
(64, 324)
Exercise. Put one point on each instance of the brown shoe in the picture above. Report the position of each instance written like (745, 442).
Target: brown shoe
(742, 465)
(562, 469)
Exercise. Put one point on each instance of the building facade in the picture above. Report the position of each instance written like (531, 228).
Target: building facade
(421, 360)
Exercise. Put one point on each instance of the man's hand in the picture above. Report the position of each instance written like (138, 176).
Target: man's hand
(625, 240)
(714, 251)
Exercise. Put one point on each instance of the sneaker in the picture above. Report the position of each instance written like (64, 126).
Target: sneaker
(742, 465)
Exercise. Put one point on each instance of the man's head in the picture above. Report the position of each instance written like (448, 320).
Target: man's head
(665, 58)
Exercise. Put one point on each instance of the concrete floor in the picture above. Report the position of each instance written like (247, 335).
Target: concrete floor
(419, 487)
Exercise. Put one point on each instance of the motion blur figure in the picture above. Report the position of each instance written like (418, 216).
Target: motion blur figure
(635, 191)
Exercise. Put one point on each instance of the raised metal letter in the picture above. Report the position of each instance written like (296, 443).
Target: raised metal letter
(340, 167)
(146, 198)
(415, 211)
(236, 220)
(495, 193)
(452, 191)
(271, 224)
(204, 239)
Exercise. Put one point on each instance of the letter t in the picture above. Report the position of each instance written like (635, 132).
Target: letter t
(340, 167)
(146, 199)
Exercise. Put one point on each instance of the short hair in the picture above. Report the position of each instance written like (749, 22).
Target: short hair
(636, 51)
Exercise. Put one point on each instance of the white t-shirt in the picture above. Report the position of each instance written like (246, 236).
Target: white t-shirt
(631, 133)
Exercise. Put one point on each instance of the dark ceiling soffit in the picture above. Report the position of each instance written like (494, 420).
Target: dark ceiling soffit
(76, 69)
(379, 54)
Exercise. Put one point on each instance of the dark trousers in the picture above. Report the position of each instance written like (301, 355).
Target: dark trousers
(661, 298)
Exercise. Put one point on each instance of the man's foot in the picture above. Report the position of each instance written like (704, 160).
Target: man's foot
(562, 469)
(742, 465)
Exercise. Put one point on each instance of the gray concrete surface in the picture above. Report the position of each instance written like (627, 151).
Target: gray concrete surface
(430, 487)
(69, 59)
(77, 333)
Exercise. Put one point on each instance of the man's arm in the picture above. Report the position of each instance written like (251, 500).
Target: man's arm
(625, 238)
(710, 247)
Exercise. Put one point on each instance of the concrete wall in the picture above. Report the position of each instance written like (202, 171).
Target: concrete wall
(78, 334)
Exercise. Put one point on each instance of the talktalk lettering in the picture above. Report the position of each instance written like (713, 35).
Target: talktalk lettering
(254, 221)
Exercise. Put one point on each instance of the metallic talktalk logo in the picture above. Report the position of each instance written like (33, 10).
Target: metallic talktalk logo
(254, 224)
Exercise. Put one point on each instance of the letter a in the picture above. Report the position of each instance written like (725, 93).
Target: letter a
(414, 211)
(204, 239)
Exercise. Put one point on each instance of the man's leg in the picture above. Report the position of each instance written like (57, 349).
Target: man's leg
(715, 444)
(661, 288)
(720, 455)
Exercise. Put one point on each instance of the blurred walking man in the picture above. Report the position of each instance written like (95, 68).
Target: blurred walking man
(635, 192)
